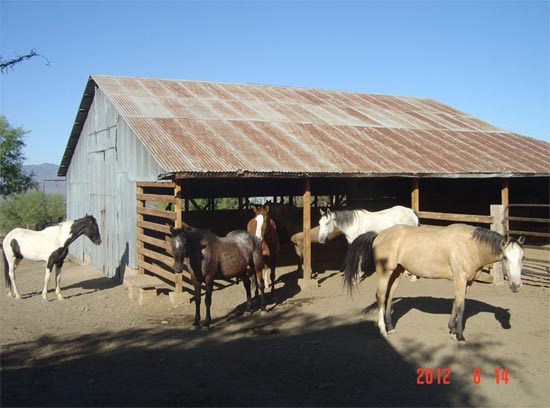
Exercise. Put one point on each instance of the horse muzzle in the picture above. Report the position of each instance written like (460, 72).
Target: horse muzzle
(178, 267)
(322, 238)
(515, 286)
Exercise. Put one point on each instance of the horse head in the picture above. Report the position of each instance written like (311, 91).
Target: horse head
(91, 229)
(179, 247)
(263, 221)
(326, 225)
(512, 260)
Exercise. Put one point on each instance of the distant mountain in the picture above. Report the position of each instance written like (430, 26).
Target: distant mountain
(45, 175)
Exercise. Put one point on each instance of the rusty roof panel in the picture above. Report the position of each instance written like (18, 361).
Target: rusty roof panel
(193, 127)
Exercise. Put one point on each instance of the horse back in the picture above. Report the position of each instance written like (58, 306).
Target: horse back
(423, 251)
(33, 245)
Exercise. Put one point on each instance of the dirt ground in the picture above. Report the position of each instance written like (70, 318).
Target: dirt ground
(315, 347)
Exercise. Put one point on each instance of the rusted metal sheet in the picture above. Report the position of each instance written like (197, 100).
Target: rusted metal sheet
(201, 127)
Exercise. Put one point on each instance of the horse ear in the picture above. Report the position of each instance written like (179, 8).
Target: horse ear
(322, 212)
(328, 211)
(172, 230)
(266, 208)
(521, 240)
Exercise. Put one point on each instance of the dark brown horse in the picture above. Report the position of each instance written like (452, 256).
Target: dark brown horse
(212, 257)
(265, 229)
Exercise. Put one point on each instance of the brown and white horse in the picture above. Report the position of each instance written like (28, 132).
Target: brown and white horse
(264, 228)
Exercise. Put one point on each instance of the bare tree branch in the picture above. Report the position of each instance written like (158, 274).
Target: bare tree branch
(5, 65)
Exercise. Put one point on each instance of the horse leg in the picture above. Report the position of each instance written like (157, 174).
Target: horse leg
(208, 302)
(46, 282)
(460, 294)
(272, 276)
(452, 320)
(246, 283)
(393, 284)
(58, 281)
(261, 284)
(11, 287)
(197, 298)
(381, 301)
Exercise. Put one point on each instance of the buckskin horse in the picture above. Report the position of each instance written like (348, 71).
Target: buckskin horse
(457, 253)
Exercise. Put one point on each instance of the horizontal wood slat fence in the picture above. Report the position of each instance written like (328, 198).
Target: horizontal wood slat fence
(159, 206)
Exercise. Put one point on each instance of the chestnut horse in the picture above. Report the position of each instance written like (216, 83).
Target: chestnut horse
(265, 229)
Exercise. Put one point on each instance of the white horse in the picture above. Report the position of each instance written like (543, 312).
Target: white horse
(50, 245)
(356, 222)
(353, 223)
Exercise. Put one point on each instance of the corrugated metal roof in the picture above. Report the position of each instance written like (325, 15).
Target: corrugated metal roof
(195, 128)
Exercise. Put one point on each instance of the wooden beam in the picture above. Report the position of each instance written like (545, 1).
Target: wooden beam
(178, 223)
(415, 196)
(307, 229)
(505, 201)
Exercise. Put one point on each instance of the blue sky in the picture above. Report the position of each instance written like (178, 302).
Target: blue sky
(489, 59)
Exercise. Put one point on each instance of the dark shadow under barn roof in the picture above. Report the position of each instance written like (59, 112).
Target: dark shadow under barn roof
(218, 129)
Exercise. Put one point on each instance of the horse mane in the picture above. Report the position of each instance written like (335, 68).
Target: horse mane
(345, 218)
(488, 237)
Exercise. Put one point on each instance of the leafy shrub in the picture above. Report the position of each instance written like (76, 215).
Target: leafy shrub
(33, 210)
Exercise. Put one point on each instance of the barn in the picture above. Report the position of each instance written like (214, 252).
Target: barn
(204, 140)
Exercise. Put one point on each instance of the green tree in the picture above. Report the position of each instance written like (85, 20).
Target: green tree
(12, 177)
(33, 210)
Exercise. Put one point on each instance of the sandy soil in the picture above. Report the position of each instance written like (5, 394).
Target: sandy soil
(315, 347)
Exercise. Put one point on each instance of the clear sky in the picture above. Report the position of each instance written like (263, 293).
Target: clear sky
(489, 59)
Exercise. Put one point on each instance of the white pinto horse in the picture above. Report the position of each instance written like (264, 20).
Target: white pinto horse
(50, 245)
(353, 223)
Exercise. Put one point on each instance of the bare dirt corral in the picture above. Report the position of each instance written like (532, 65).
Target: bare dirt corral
(316, 347)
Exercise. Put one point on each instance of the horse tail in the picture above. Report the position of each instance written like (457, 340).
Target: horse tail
(359, 251)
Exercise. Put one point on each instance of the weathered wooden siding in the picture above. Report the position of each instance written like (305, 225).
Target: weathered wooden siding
(107, 161)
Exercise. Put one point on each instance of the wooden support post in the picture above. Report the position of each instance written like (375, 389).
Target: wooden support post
(505, 201)
(307, 281)
(178, 223)
(415, 196)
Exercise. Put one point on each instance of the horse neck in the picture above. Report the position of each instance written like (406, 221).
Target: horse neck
(347, 222)
(64, 232)
(72, 232)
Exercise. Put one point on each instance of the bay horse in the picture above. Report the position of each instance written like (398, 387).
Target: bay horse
(50, 245)
(263, 227)
(457, 252)
(212, 257)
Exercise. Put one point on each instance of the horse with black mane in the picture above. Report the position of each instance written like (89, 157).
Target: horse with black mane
(50, 245)
(212, 257)
(457, 253)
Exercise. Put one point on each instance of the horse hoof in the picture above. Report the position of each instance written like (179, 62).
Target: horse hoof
(45, 300)
(195, 327)
(263, 313)
(60, 297)
(391, 331)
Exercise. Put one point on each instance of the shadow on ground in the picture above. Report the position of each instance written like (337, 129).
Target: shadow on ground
(250, 361)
